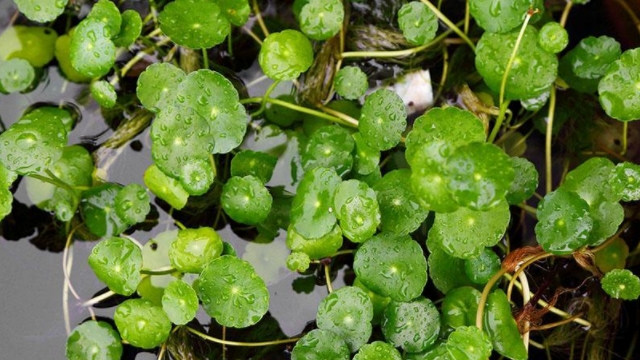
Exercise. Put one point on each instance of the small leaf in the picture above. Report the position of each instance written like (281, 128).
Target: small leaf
(312, 213)
(196, 176)
(612, 256)
(330, 147)
(471, 341)
(194, 249)
(525, 181)
(348, 313)
(618, 89)
(383, 119)
(165, 188)
(321, 19)
(399, 212)
(285, 55)
(94, 340)
(19, 42)
(129, 30)
(502, 327)
(625, 181)
(98, 208)
(318, 248)
(350, 82)
(141, 323)
(553, 37)
(16, 75)
(499, 16)
(236, 11)
(621, 284)
(256, 163)
(246, 199)
(158, 85)
(92, 51)
(446, 271)
(197, 24)
(63, 55)
(365, 158)
(459, 307)
(414, 326)
(41, 11)
(232, 293)
(481, 268)
(378, 350)
(117, 262)
(320, 344)
(417, 22)
(180, 302)
(104, 93)
(107, 12)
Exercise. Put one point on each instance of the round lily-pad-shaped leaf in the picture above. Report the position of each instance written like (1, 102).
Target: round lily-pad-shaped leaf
(447, 272)
(392, 265)
(321, 19)
(215, 99)
(280, 115)
(465, 233)
(129, 30)
(180, 302)
(532, 71)
(141, 323)
(63, 55)
(619, 88)
(621, 284)
(612, 256)
(197, 175)
(499, 16)
(607, 217)
(479, 174)
(329, 147)
(285, 55)
(256, 163)
(414, 326)
(158, 84)
(197, 24)
(194, 249)
(459, 307)
(41, 11)
(379, 302)
(319, 248)
(359, 218)
(98, 208)
(590, 180)
(94, 340)
(16, 75)
(564, 222)
(132, 203)
(32, 43)
(553, 37)
(585, 64)
(417, 22)
(378, 350)
(166, 188)
(365, 158)
(351, 82)
(383, 119)
(502, 327)
(312, 213)
(232, 292)
(107, 12)
(399, 211)
(33, 144)
(481, 268)
(429, 181)
(104, 93)
(155, 257)
(471, 341)
(525, 181)
(246, 199)
(92, 51)
(347, 312)
(320, 344)
(117, 262)
(625, 181)
(236, 11)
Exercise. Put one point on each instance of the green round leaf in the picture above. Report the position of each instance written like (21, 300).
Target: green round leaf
(91, 49)
(232, 293)
(285, 55)
(107, 12)
(32, 43)
(158, 84)
(98, 207)
(383, 119)
(166, 188)
(586, 63)
(117, 262)
(607, 217)
(298, 261)
(399, 212)
(41, 11)
(329, 147)
(132, 203)
(392, 265)
(280, 115)
(618, 89)
(621, 284)
(459, 307)
(141, 323)
(481, 268)
(6, 201)
(194, 249)
(471, 341)
(465, 233)
(502, 327)
(104, 93)
(312, 213)
(447, 272)
(479, 175)
(590, 181)
(155, 256)
(365, 158)
(532, 71)
(525, 181)
(350, 82)
(564, 223)
(246, 199)
(319, 248)
(379, 302)
(417, 22)
(180, 302)
(499, 16)
(612, 256)
(320, 344)
(553, 37)
(63, 55)
(94, 340)
(236, 11)
(196, 176)
(321, 19)
(414, 326)
(16, 75)
(625, 181)
(258, 164)
(348, 313)
(129, 30)
(359, 218)
(197, 24)
(215, 99)
(377, 350)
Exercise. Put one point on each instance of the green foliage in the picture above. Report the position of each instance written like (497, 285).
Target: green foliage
(197, 24)
(236, 11)
(246, 199)
(157, 85)
(417, 22)
(91, 49)
(41, 11)
(142, 323)
(459, 308)
(165, 188)
(318, 248)
(98, 208)
(94, 340)
(621, 284)
(481, 268)
(553, 37)
(624, 179)
(383, 119)
(471, 341)
(107, 13)
(414, 326)
(285, 55)
(525, 181)
(310, 214)
(351, 82)
(16, 75)
(321, 19)
(564, 222)
(117, 262)
(194, 249)
(180, 302)
(585, 64)
(255, 163)
(618, 89)
(320, 344)
(104, 93)
(499, 16)
(399, 212)
(129, 30)
(330, 147)
(132, 203)
(377, 350)
(502, 328)
(347, 312)
(34, 44)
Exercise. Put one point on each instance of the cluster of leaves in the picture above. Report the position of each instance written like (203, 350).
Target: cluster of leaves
(449, 183)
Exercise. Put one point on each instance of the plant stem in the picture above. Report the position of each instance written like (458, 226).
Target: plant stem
(256, 12)
(263, 103)
(496, 128)
(395, 53)
(239, 343)
(445, 72)
(557, 323)
(548, 137)
(565, 13)
(205, 59)
(327, 277)
(346, 118)
(485, 294)
(450, 24)
(98, 298)
(466, 17)
(625, 135)
(166, 270)
(295, 107)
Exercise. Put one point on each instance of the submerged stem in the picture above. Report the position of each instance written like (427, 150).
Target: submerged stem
(239, 343)
(450, 24)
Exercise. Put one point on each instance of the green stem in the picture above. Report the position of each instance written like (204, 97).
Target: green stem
(54, 180)
(501, 115)
(395, 53)
(239, 343)
(466, 17)
(98, 298)
(450, 24)
(548, 137)
(161, 271)
(565, 13)
(205, 59)
(625, 136)
(263, 104)
(256, 12)
(327, 276)
(512, 58)
(485, 295)
(302, 109)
